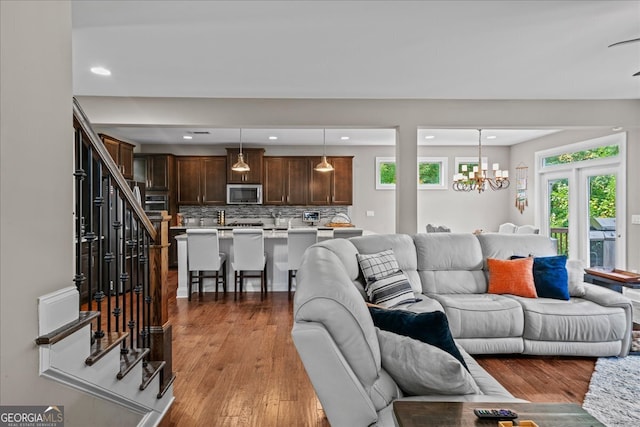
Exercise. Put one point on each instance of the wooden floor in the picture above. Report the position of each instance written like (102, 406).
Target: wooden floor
(236, 365)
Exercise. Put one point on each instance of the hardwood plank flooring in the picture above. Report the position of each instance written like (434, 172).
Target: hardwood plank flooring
(236, 365)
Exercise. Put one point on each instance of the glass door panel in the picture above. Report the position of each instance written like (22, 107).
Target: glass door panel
(558, 212)
(601, 201)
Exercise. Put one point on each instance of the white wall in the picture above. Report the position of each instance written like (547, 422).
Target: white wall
(464, 212)
(36, 166)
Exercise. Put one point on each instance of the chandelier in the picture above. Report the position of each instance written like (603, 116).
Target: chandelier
(478, 178)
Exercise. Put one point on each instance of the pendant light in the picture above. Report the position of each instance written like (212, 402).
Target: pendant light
(240, 165)
(324, 166)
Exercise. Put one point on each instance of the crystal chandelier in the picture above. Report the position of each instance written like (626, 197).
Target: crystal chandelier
(478, 178)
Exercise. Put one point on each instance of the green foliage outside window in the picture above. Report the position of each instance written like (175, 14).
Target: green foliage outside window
(578, 156)
(602, 202)
(388, 173)
(429, 173)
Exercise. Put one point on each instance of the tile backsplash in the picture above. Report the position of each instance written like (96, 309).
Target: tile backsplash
(264, 213)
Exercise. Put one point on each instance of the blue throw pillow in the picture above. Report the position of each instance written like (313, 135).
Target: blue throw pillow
(431, 328)
(550, 276)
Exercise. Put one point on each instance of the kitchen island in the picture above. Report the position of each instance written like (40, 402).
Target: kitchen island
(275, 245)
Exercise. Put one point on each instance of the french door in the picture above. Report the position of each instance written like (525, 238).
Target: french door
(582, 209)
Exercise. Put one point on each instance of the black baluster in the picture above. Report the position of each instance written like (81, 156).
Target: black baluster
(131, 245)
(79, 175)
(98, 201)
(90, 235)
(138, 291)
(108, 256)
(147, 299)
(117, 227)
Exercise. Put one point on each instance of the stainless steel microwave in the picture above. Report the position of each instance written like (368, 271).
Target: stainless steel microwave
(244, 194)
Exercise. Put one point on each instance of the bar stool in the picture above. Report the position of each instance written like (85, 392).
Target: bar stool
(298, 240)
(249, 255)
(203, 254)
(346, 232)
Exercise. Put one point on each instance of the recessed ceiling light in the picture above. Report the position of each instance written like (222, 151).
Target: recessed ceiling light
(344, 138)
(101, 71)
(429, 137)
(491, 137)
(187, 137)
(273, 138)
(617, 128)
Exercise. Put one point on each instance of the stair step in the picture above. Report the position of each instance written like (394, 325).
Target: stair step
(131, 359)
(103, 345)
(84, 318)
(165, 386)
(150, 371)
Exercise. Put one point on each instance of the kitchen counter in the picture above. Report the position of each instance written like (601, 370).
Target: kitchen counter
(275, 245)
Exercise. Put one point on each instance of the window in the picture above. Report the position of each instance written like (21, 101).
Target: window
(432, 173)
(577, 156)
(469, 162)
(385, 173)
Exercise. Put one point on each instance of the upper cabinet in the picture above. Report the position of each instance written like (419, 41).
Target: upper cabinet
(121, 152)
(286, 181)
(331, 188)
(201, 180)
(253, 157)
(155, 170)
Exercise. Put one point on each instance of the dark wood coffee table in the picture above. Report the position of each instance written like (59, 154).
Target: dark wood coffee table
(440, 414)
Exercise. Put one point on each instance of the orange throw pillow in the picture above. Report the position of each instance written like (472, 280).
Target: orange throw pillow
(513, 277)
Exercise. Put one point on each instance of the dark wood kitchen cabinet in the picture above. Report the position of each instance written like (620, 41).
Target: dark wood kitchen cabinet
(286, 181)
(254, 157)
(121, 152)
(331, 188)
(201, 180)
(155, 170)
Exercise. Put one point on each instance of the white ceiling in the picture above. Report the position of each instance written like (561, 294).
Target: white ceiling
(298, 137)
(355, 49)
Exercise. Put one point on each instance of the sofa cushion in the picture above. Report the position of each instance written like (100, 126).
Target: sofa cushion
(346, 253)
(450, 263)
(390, 291)
(575, 270)
(403, 248)
(513, 277)
(431, 328)
(482, 315)
(378, 265)
(550, 276)
(576, 320)
(420, 368)
(503, 246)
(326, 295)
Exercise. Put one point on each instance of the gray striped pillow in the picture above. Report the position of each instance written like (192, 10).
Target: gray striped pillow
(390, 291)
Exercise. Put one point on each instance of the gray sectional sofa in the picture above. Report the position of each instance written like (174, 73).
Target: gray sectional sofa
(339, 345)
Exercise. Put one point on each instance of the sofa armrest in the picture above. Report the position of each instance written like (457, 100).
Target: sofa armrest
(344, 400)
(608, 298)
